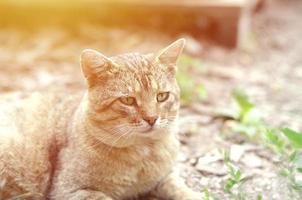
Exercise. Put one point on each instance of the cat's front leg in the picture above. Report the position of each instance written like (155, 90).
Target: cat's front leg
(87, 195)
(174, 188)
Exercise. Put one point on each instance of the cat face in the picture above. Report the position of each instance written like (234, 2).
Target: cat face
(133, 94)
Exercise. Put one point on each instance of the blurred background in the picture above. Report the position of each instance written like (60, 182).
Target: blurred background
(240, 75)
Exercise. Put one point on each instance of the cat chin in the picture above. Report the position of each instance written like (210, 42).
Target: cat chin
(148, 130)
(151, 132)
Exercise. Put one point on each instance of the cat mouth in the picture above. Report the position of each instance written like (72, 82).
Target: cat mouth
(148, 130)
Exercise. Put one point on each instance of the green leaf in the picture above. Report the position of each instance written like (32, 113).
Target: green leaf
(243, 102)
(202, 92)
(235, 172)
(226, 156)
(274, 138)
(241, 196)
(238, 176)
(232, 169)
(206, 194)
(229, 185)
(285, 172)
(294, 137)
(299, 169)
(259, 197)
(292, 156)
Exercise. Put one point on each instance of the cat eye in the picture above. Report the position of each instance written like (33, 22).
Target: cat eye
(127, 100)
(163, 96)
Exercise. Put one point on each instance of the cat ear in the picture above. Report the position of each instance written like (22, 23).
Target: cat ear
(170, 54)
(94, 65)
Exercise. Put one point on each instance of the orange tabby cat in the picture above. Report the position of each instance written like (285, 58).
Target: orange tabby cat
(116, 141)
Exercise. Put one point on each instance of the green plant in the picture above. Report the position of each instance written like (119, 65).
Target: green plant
(207, 195)
(294, 137)
(245, 117)
(234, 182)
(244, 105)
(274, 140)
(287, 143)
(191, 89)
(234, 179)
(259, 197)
(293, 164)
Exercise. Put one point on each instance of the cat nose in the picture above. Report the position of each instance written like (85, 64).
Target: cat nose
(151, 120)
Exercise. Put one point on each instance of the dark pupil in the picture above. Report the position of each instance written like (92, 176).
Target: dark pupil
(162, 96)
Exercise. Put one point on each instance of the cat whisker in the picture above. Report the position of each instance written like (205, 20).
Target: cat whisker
(115, 142)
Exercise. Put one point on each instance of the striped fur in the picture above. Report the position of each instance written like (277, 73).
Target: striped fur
(95, 146)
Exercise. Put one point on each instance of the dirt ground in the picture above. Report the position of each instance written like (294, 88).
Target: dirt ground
(268, 67)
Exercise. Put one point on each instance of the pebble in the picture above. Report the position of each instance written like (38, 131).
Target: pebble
(236, 152)
(219, 169)
(251, 160)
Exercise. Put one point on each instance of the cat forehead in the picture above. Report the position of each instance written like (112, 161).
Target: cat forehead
(134, 81)
(133, 62)
(138, 73)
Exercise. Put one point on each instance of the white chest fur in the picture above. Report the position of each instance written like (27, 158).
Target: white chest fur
(117, 172)
(140, 171)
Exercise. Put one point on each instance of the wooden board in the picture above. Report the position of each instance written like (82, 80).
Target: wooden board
(229, 19)
(225, 21)
(185, 3)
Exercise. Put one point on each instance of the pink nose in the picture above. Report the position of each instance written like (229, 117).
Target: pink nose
(151, 120)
